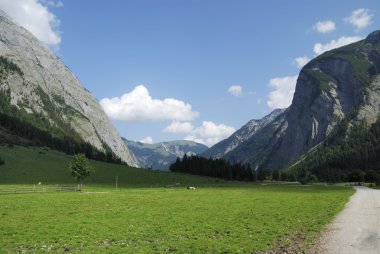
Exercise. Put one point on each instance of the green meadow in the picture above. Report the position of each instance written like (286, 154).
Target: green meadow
(143, 216)
(34, 165)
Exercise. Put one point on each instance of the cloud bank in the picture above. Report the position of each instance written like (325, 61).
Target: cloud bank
(282, 92)
(138, 105)
(179, 127)
(320, 48)
(301, 61)
(360, 19)
(324, 26)
(210, 133)
(147, 140)
(35, 17)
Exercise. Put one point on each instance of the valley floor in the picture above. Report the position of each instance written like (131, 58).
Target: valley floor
(251, 219)
(145, 217)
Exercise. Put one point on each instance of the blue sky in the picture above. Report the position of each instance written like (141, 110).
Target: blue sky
(195, 69)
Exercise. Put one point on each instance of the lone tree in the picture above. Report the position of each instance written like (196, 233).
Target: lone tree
(80, 168)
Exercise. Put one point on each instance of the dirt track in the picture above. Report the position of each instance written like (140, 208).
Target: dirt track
(356, 229)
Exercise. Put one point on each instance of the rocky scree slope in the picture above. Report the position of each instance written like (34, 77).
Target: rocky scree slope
(226, 146)
(44, 86)
(162, 155)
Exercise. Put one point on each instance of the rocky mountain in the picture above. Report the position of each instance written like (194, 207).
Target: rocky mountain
(49, 97)
(161, 155)
(226, 146)
(341, 84)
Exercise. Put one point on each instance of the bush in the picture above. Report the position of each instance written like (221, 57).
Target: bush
(356, 176)
(371, 176)
(308, 178)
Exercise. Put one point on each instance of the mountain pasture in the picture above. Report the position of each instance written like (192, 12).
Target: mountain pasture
(144, 217)
(40, 164)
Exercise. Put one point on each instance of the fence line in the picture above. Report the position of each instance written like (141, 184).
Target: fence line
(36, 189)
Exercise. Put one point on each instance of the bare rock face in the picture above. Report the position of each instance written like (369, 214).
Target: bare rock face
(44, 75)
(228, 145)
(343, 83)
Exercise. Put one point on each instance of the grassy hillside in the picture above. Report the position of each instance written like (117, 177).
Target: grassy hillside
(32, 165)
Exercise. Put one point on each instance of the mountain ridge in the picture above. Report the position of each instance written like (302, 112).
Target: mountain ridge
(330, 88)
(50, 91)
(248, 130)
(162, 155)
(340, 84)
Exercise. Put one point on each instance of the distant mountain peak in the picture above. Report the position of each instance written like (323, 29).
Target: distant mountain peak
(226, 146)
(161, 155)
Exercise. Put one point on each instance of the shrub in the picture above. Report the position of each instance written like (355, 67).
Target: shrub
(308, 178)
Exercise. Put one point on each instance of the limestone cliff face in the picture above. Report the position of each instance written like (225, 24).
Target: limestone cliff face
(342, 83)
(44, 75)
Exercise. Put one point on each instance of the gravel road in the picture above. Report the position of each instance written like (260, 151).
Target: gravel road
(356, 229)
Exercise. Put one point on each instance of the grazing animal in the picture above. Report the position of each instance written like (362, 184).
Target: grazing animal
(190, 188)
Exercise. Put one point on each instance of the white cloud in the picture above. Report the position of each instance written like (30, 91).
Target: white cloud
(138, 105)
(320, 48)
(283, 91)
(324, 26)
(179, 127)
(360, 19)
(210, 133)
(147, 140)
(301, 61)
(35, 17)
(235, 90)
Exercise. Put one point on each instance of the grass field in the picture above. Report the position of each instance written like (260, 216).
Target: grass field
(34, 165)
(159, 220)
(217, 217)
